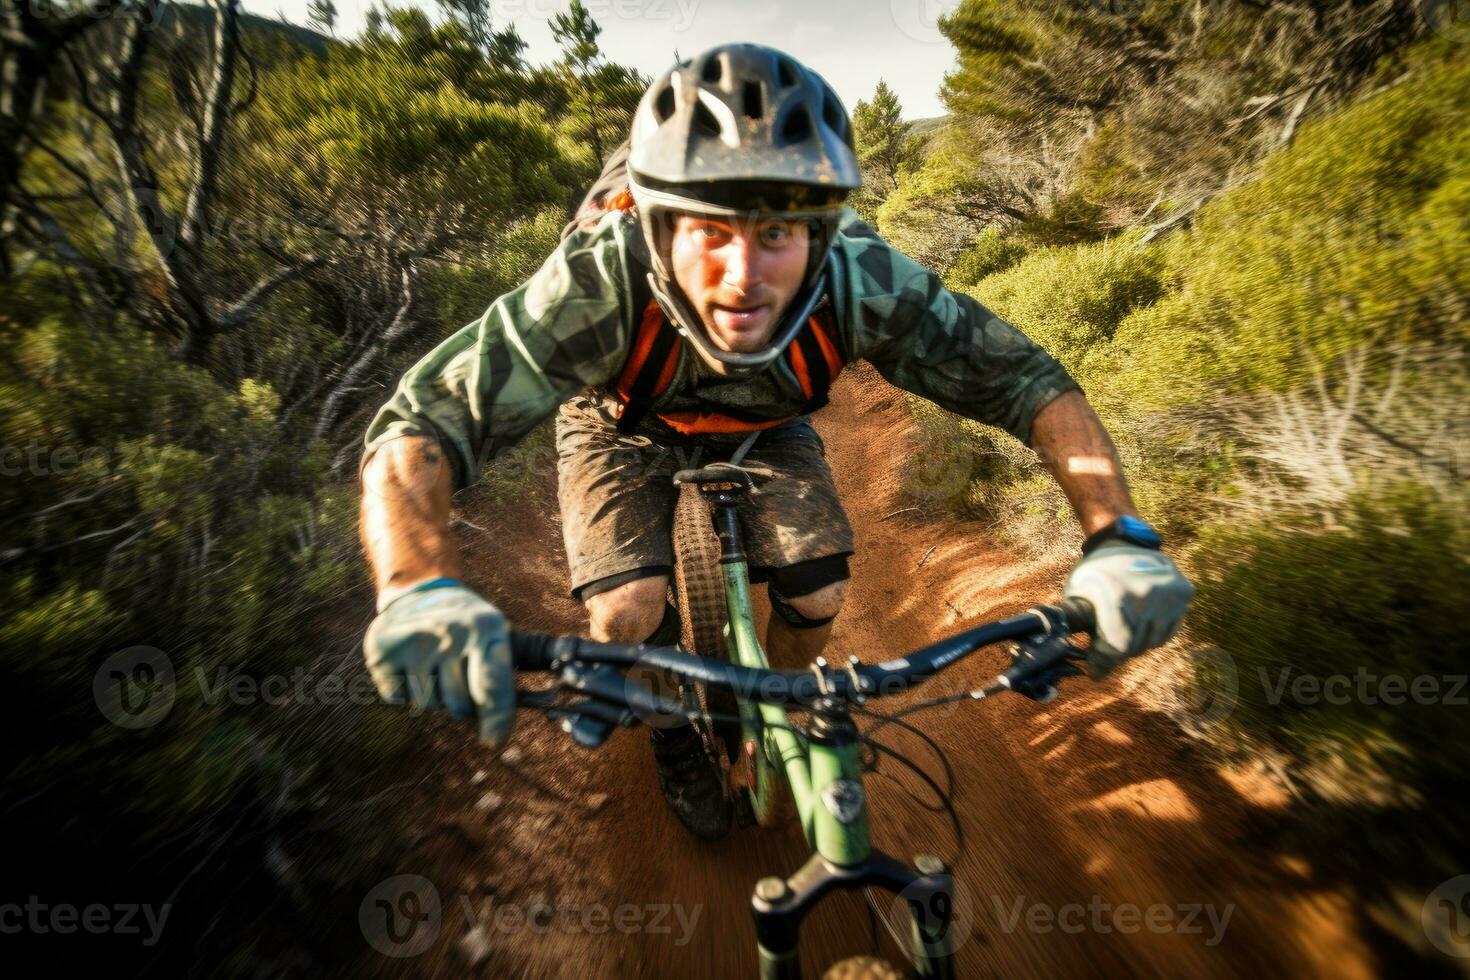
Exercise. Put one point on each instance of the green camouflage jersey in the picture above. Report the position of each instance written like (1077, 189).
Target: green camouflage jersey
(570, 327)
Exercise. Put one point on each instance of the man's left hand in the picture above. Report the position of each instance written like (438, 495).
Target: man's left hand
(1139, 596)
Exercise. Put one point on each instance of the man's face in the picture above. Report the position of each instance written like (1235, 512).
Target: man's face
(739, 274)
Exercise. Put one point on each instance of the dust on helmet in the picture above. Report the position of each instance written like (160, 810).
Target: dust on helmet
(741, 130)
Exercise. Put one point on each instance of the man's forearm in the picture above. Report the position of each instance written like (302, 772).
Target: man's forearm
(406, 488)
(1071, 441)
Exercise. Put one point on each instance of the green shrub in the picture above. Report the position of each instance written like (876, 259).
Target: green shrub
(992, 252)
(1358, 234)
(1070, 300)
(1383, 595)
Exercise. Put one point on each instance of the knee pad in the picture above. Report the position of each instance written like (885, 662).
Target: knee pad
(792, 616)
(803, 578)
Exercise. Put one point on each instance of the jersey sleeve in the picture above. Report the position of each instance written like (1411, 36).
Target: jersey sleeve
(489, 383)
(941, 345)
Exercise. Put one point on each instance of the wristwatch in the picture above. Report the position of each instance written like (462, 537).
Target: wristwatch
(1126, 528)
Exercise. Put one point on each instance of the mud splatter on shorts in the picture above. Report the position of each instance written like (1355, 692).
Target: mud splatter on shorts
(617, 493)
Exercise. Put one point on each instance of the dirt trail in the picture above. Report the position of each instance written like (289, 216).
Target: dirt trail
(1098, 841)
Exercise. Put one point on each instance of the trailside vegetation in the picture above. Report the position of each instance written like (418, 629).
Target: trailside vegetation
(1245, 230)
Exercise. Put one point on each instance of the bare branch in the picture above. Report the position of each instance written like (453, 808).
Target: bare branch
(249, 304)
(351, 379)
(216, 118)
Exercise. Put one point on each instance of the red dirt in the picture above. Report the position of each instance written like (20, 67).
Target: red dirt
(1087, 804)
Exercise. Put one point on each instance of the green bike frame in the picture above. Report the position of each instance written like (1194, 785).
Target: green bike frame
(807, 774)
(826, 783)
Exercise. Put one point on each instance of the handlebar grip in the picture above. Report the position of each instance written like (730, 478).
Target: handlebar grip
(531, 651)
(1081, 617)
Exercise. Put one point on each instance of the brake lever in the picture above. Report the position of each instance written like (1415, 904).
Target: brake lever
(1039, 663)
(591, 722)
(604, 682)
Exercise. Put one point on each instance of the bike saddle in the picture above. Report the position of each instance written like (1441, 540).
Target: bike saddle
(724, 474)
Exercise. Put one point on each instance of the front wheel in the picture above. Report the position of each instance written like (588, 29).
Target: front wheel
(862, 968)
(699, 593)
(735, 736)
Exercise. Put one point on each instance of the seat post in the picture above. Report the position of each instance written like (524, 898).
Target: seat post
(723, 501)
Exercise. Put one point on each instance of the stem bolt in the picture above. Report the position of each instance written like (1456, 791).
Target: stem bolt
(770, 889)
(928, 864)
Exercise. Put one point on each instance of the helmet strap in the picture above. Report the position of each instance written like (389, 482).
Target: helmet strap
(686, 319)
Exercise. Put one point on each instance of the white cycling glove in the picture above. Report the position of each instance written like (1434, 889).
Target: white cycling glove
(1139, 597)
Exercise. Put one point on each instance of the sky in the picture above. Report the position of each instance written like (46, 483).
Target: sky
(851, 43)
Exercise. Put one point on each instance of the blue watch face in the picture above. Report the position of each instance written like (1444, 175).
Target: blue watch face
(1132, 529)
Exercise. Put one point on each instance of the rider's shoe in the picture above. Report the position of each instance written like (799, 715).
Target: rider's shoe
(690, 781)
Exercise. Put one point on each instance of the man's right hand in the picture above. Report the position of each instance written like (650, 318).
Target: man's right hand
(440, 645)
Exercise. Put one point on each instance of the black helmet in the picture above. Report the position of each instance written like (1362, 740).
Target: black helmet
(741, 129)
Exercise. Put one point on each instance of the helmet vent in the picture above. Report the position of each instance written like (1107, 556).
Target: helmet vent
(663, 106)
(832, 116)
(754, 104)
(786, 72)
(704, 122)
(797, 126)
(712, 70)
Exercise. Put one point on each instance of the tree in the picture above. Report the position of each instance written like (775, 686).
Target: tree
(34, 39)
(886, 148)
(602, 96)
(323, 14)
(402, 177)
(1146, 110)
(577, 34)
(506, 49)
(474, 17)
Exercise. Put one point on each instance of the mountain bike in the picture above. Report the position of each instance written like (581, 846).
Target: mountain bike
(818, 760)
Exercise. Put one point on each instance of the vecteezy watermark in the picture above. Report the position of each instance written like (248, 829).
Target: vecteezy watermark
(919, 19)
(63, 918)
(1446, 917)
(945, 918)
(1101, 916)
(1363, 687)
(540, 916)
(135, 688)
(403, 916)
(1211, 690)
(38, 459)
(149, 12)
(680, 12)
(1449, 18)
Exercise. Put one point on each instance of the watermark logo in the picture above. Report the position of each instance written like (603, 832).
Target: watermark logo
(1446, 917)
(1102, 916)
(121, 919)
(149, 13)
(1212, 689)
(132, 227)
(401, 916)
(919, 19)
(1363, 687)
(942, 474)
(679, 14)
(945, 917)
(1449, 19)
(136, 687)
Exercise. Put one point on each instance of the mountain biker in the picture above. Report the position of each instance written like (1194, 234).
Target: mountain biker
(712, 285)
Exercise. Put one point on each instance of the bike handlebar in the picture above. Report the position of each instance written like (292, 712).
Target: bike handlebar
(587, 666)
